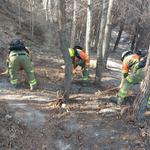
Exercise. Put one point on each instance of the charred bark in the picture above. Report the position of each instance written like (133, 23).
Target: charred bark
(118, 38)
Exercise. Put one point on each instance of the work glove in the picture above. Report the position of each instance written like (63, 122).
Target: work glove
(74, 71)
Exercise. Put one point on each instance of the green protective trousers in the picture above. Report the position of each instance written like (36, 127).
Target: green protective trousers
(131, 79)
(85, 71)
(20, 60)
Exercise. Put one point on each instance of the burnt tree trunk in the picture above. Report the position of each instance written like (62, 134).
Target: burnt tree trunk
(64, 48)
(107, 34)
(118, 38)
(99, 62)
(96, 31)
(135, 38)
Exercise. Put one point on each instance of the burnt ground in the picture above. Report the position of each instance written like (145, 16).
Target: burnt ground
(33, 121)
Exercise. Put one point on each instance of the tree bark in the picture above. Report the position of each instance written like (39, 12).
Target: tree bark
(135, 38)
(88, 26)
(133, 42)
(107, 34)
(81, 34)
(64, 48)
(96, 32)
(32, 18)
(19, 11)
(99, 63)
(118, 38)
(74, 22)
(140, 102)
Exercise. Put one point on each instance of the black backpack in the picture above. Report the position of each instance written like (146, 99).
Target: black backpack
(142, 62)
(143, 58)
(16, 45)
(76, 51)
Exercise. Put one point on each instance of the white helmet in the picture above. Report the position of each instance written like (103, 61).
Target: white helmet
(126, 53)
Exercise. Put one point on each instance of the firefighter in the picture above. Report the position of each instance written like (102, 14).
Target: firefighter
(80, 58)
(29, 53)
(132, 73)
(19, 59)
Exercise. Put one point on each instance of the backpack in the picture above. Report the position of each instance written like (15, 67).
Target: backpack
(143, 58)
(16, 45)
(76, 51)
(142, 62)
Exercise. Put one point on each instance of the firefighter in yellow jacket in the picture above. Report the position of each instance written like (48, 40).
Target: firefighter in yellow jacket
(80, 58)
(19, 59)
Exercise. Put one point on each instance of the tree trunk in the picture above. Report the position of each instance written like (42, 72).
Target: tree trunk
(32, 18)
(135, 38)
(107, 34)
(96, 32)
(81, 34)
(47, 10)
(99, 68)
(64, 48)
(140, 102)
(19, 11)
(133, 42)
(139, 39)
(73, 31)
(51, 10)
(118, 38)
(88, 26)
(46, 7)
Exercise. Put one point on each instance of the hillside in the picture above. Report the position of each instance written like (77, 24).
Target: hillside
(89, 121)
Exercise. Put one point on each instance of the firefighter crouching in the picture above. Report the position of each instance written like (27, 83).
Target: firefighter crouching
(80, 58)
(19, 59)
(132, 73)
(29, 52)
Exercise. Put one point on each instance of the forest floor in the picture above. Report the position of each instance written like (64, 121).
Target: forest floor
(33, 121)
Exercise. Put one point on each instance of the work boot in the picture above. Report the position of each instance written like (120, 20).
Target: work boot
(116, 100)
(85, 78)
(33, 87)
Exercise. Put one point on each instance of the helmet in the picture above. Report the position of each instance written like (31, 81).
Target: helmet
(126, 53)
(78, 47)
(71, 52)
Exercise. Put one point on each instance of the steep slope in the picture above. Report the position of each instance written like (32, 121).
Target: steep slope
(32, 120)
